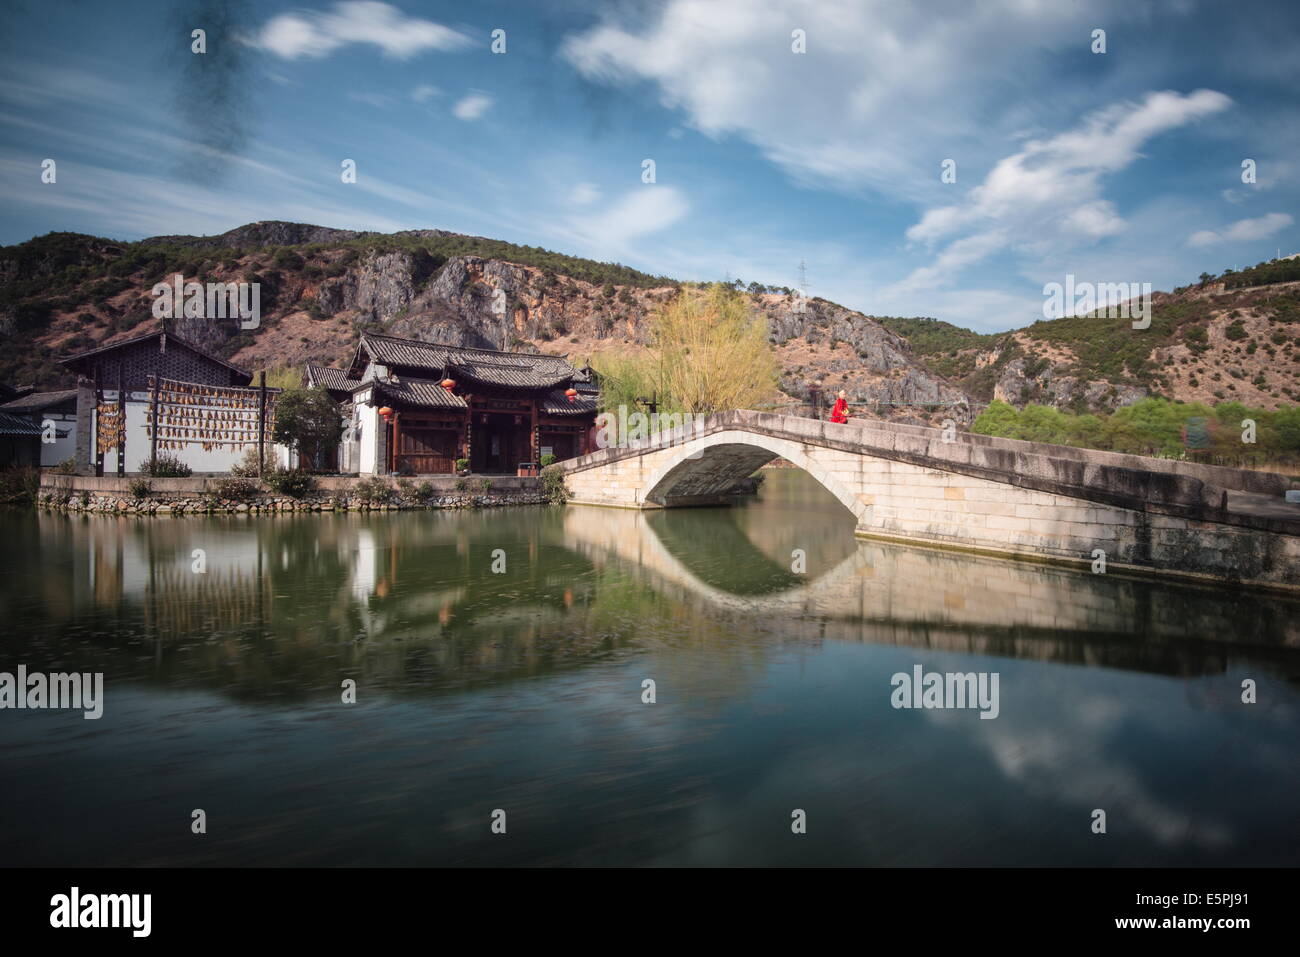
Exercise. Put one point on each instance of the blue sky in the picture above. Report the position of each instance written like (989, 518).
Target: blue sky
(1123, 166)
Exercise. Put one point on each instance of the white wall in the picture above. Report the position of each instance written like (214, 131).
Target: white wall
(139, 447)
(368, 434)
(64, 446)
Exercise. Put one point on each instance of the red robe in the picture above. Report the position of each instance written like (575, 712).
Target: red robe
(840, 413)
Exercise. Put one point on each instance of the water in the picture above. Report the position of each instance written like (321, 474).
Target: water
(522, 691)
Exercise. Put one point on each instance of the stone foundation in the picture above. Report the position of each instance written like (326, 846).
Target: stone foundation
(191, 496)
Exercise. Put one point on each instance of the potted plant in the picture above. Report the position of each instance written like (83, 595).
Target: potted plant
(462, 467)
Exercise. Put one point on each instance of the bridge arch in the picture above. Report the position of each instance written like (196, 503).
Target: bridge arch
(706, 468)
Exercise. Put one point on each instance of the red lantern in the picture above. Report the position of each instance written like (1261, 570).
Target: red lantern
(385, 412)
(571, 393)
(449, 384)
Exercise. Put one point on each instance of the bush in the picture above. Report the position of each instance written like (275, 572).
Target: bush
(166, 466)
(548, 459)
(20, 485)
(487, 485)
(247, 466)
(1235, 331)
(140, 488)
(461, 485)
(557, 493)
(67, 467)
(373, 490)
(237, 489)
(424, 492)
(294, 483)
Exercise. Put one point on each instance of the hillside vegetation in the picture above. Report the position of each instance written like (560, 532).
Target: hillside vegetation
(1226, 434)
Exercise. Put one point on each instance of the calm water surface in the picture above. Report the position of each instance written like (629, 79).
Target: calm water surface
(522, 691)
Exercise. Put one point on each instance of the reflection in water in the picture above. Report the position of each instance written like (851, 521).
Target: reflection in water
(522, 690)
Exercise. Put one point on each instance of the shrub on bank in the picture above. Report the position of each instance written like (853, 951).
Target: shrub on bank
(247, 466)
(373, 491)
(553, 487)
(140, 487)
(166, 466)
(20, 486)
(237, 489)
(294, 483)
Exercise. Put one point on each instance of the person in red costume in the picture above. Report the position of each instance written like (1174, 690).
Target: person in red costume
(840, 413)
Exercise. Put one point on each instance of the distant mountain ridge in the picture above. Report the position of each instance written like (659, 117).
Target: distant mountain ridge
(321, 287)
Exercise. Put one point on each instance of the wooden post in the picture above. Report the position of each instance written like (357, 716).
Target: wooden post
(534, 440)
(121, 423)
(153, 403)
(397, 441)
(261, 420)
(99, 445)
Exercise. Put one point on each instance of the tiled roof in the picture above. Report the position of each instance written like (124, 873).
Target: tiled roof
(418, 392)
(11, 424)
(556, 402)
(171, 337)
(38, 401)
(517, 376)
(514, 369)
(334, 380)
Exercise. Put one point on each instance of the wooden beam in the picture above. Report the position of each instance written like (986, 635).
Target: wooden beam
(261, 422)
(153, 439)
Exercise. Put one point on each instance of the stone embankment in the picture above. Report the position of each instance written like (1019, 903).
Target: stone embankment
(224, 494)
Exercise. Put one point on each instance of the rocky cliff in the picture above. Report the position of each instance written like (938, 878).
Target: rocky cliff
(321, 287)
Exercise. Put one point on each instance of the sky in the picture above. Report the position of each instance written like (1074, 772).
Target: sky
(941, 158)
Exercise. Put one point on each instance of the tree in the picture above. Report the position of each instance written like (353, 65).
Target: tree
(999, 419)
(307, 421)
(709, 352)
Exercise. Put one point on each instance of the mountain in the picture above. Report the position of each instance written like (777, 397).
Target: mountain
(320, 288)
(1230, 338)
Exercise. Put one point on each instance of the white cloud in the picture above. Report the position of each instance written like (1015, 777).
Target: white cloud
(884, 92)
(1243, 230)
(378, 100)
(584, 194)
(645, 210)
(472, 106)
(424, 91)
(1048, 194)
(313, 34)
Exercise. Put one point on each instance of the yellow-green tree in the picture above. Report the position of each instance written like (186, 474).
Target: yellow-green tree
(709, 352)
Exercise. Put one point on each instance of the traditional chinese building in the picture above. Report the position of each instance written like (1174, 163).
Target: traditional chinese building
(161, 393)
(418, 407)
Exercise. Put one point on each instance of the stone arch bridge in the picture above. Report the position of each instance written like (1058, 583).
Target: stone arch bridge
(959, 490)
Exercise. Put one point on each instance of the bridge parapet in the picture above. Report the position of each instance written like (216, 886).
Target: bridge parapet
(1125, 481)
